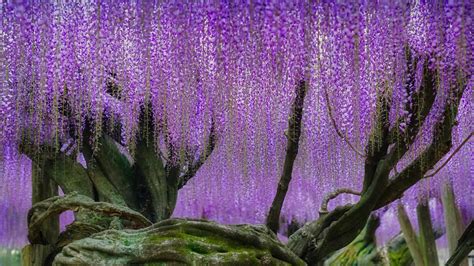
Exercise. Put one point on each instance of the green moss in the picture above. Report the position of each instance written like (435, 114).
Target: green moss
(198, 248)
(180, 244)
(400, 256)
(209, 245)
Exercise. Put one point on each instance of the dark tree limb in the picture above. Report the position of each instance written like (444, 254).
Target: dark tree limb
(160, 181)
(104, 189)
(440, 146)
(161, 176)
(451, 156)
(293, 135)
(336, 229)
(116, 167)
(303, 242)
(377, 145)
(423, 100)
(69, 175)
(332, 195)
(464, 247)
(194, 165)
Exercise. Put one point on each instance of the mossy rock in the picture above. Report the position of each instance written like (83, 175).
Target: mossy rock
(180, 242)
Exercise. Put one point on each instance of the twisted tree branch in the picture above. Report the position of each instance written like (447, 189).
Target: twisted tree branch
(332, 195)
(450, 156)
(440, 146)
(76, 202)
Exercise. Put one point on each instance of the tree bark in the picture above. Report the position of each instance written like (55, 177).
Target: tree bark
(69, 175)
(452, 220)
(427, 238)
(293, 135)
(161, 181)
(410, 236)
(118, 170)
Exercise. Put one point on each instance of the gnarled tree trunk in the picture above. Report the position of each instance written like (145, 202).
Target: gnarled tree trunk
(149, 186)
(387, 146)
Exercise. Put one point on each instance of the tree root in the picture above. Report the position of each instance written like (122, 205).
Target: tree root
(179, 241)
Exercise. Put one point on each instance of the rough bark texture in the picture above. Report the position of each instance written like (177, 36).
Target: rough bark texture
(91, 217)
(181, 242)
(410, 236)
(452, 220)
(293, 134)
(465, 245)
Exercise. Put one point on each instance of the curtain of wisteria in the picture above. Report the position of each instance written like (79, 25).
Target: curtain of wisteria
(238, 64)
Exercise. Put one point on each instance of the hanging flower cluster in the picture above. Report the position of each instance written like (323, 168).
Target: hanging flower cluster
(63, 64)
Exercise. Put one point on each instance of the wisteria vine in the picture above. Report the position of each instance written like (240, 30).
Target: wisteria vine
(235, 64)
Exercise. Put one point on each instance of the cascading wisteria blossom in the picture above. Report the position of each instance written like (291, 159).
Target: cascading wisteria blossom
(235, 64)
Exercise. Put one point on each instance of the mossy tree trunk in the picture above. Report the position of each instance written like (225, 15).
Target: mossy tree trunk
(363, 250)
